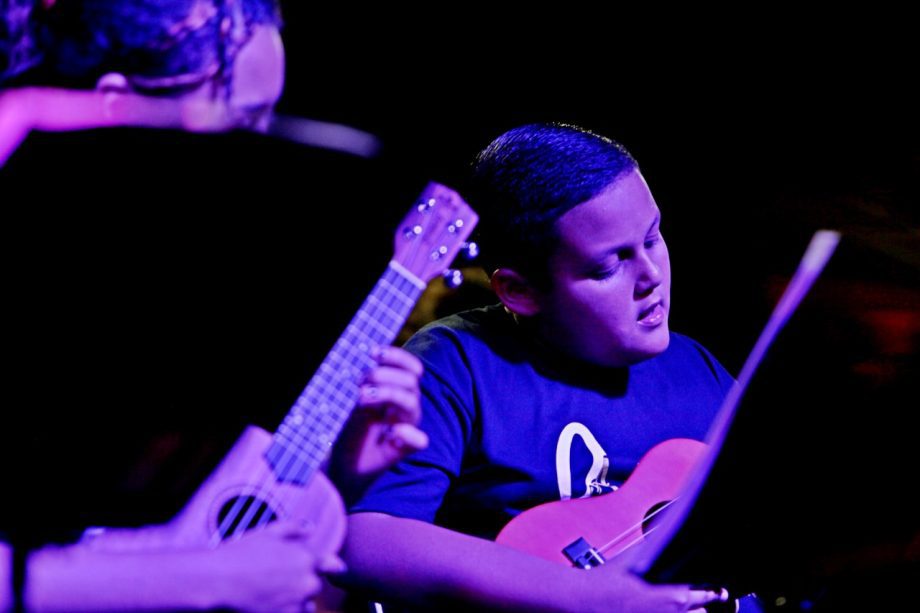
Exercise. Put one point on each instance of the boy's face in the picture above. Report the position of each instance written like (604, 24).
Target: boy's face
(611, 278)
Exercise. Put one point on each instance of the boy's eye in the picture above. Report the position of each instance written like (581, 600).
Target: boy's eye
(604, 273)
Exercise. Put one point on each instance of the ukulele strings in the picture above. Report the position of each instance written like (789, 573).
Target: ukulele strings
(239, 520)
(637, 526)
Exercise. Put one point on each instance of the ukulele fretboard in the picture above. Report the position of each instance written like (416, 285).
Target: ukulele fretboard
(307, 433)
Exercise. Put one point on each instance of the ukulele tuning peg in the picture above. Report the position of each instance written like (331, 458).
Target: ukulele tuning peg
(412, 232)
(469, 251)
(455, 226)
(452, 278)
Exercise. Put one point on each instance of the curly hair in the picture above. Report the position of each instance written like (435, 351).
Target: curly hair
(18, 49)
(80, 40)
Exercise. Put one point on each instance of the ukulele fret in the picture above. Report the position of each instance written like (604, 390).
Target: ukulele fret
(307, 433)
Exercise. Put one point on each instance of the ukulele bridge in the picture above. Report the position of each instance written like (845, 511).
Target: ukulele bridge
(583, 555)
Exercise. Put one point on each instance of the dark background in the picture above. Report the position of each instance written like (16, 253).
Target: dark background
(239, 263)
(753, 131)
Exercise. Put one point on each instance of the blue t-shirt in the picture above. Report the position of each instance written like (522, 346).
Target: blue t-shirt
(513, 425)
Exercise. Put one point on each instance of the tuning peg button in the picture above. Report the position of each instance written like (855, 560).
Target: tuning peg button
(412, 232)
(452, 278)
(469, 251)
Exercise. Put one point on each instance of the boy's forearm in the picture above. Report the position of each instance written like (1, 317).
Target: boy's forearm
(428, 566)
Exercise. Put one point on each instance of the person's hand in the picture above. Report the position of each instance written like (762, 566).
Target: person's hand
(275, 568)
(270, 569)
(136, 539)
(384, 426)
(629, 594)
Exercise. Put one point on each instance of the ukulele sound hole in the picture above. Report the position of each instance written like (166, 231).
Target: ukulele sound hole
(242, 513)
(652, 517)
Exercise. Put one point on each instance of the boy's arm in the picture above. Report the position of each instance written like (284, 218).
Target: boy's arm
(422, 565)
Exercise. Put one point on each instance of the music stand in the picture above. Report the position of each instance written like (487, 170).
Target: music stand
(804, 494)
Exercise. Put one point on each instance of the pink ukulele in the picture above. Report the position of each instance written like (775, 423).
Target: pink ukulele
(588, 531)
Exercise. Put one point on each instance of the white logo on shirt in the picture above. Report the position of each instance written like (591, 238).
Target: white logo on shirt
(596, 479)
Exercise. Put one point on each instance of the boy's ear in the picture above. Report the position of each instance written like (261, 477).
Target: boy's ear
(516, 292)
